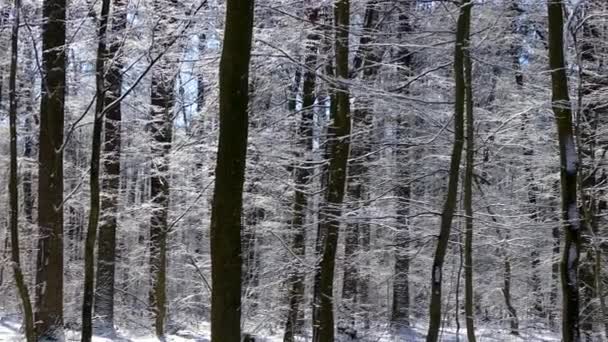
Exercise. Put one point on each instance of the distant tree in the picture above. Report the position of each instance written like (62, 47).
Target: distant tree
(22, 288)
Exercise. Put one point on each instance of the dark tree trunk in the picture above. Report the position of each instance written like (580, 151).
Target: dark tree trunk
(337, 176)
(506, 291)
(163, 95)
(321, 226)
(161, 130)
(49, 263)
(110, 184)
(400, 312)
(447, 214)
(303, 171)
(355, 286)
(568, 175)
(91, 236)
(26, 304)
(468, 198)
(230, 173)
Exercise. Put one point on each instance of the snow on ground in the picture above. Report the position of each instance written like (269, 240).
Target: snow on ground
(9, 332)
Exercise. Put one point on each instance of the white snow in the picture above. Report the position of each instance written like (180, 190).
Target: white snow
(9, 332)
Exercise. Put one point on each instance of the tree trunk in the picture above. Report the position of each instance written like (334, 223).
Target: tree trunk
(161, 130)
(356, 283)
(468, 198)
(303, 172)
(506, 291)
(49, 263)
(568, 175)
(447, 214)
(110, 184)
(91, 236)
(230, 173)
(28, 317)
(400, 312)
(337, 176)
(324, 172)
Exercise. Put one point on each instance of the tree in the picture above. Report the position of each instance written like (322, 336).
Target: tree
(468, 194)
(91, 236)
(26, 304)
(337, 175)
(303, 173)
(49, 263)
(161, 130)
(447, 214)
(110, 184)
(230, 173)
(356, 283)
(400, 311)
(568, 174)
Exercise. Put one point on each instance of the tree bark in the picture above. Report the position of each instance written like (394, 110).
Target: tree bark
(400, 311)
(356, 284)
(49, 263)
(468, 198)
(110, 184)
(447, 214)
(303, 172)
(230, 173)
(26, 304)
(337, 175)
(91, 236)
(161, 130)
(568, 175)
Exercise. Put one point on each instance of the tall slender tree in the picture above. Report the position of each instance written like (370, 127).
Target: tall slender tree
(230, 173)
(400, 311)
(468, 195)
(355, 284)
(303, 173)
(337, 171)
(110, 183)
(49, 263)
(447, 214)
(94, 209)
(22, 288)
(568, 174)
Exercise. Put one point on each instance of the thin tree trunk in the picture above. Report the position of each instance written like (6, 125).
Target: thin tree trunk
(337, 175)
(324, 174)
(106, 251)
(163, 96)
(230, 173)
(356, 283)
(506, 291)
(91, 236)
(569, 169)
(468, 199)
(28, 316)
(447, 214)
(400, 311)
(161, 130)
(49, 262)
(303, 172)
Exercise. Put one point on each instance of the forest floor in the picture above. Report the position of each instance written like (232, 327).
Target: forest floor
(9, 332)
